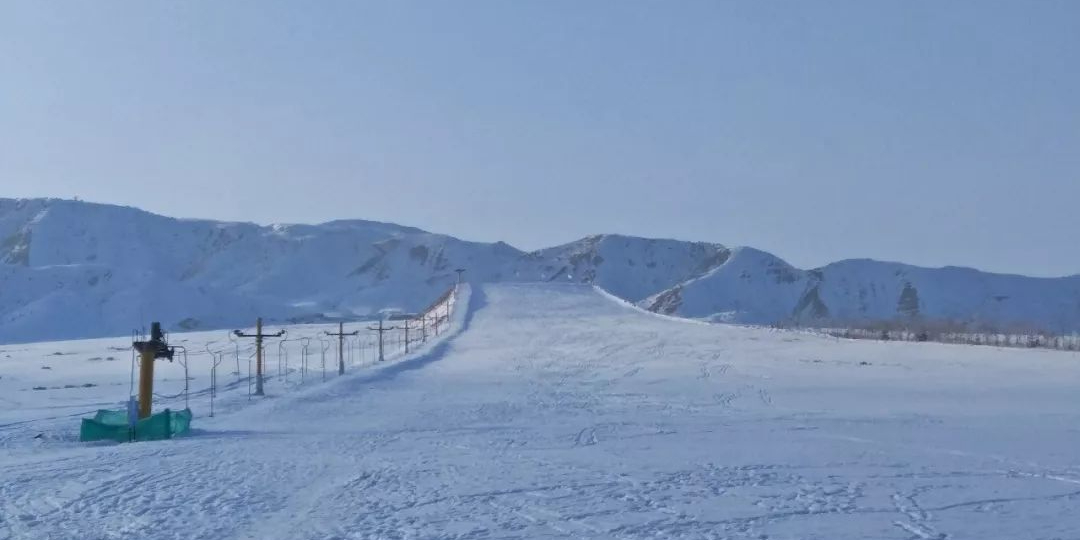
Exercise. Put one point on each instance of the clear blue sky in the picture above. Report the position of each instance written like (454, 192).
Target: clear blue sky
(928, 132)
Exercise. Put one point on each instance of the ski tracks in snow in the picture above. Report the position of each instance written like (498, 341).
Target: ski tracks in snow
(558, 414)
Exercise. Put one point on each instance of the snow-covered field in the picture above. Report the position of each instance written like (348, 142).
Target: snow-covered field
(553, 411)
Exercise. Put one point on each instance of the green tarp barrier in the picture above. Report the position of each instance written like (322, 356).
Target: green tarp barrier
(181, 422)
(113, 426)
(92, 430)
(113, 418)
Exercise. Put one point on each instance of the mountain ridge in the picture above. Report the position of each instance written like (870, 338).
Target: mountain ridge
(77, 269)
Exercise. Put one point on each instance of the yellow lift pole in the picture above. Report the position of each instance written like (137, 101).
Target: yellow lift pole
(149, 351)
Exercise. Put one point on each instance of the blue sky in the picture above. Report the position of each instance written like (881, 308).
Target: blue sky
(933, 133)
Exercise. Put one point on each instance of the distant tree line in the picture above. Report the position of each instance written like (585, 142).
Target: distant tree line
(944, 331)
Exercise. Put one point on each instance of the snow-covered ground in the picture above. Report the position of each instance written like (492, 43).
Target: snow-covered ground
(553, 411)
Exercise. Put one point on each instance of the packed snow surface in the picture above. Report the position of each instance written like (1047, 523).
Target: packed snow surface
(556, 411)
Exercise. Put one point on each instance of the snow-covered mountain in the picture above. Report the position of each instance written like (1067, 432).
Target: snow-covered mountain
(72, 269)
(629, 267)
(756, 287)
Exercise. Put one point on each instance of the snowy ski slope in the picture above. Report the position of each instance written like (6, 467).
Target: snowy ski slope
(555, 411)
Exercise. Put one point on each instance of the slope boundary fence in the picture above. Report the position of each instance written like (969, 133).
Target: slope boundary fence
(307, 355)
(1062, 342)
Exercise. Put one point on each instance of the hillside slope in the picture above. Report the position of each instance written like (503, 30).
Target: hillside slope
(757, 287)
(80, 270)
(628, 267)
(72, 269)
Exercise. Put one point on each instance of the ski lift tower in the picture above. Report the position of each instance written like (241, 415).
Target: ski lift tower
(149, 351)
(405, 319)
